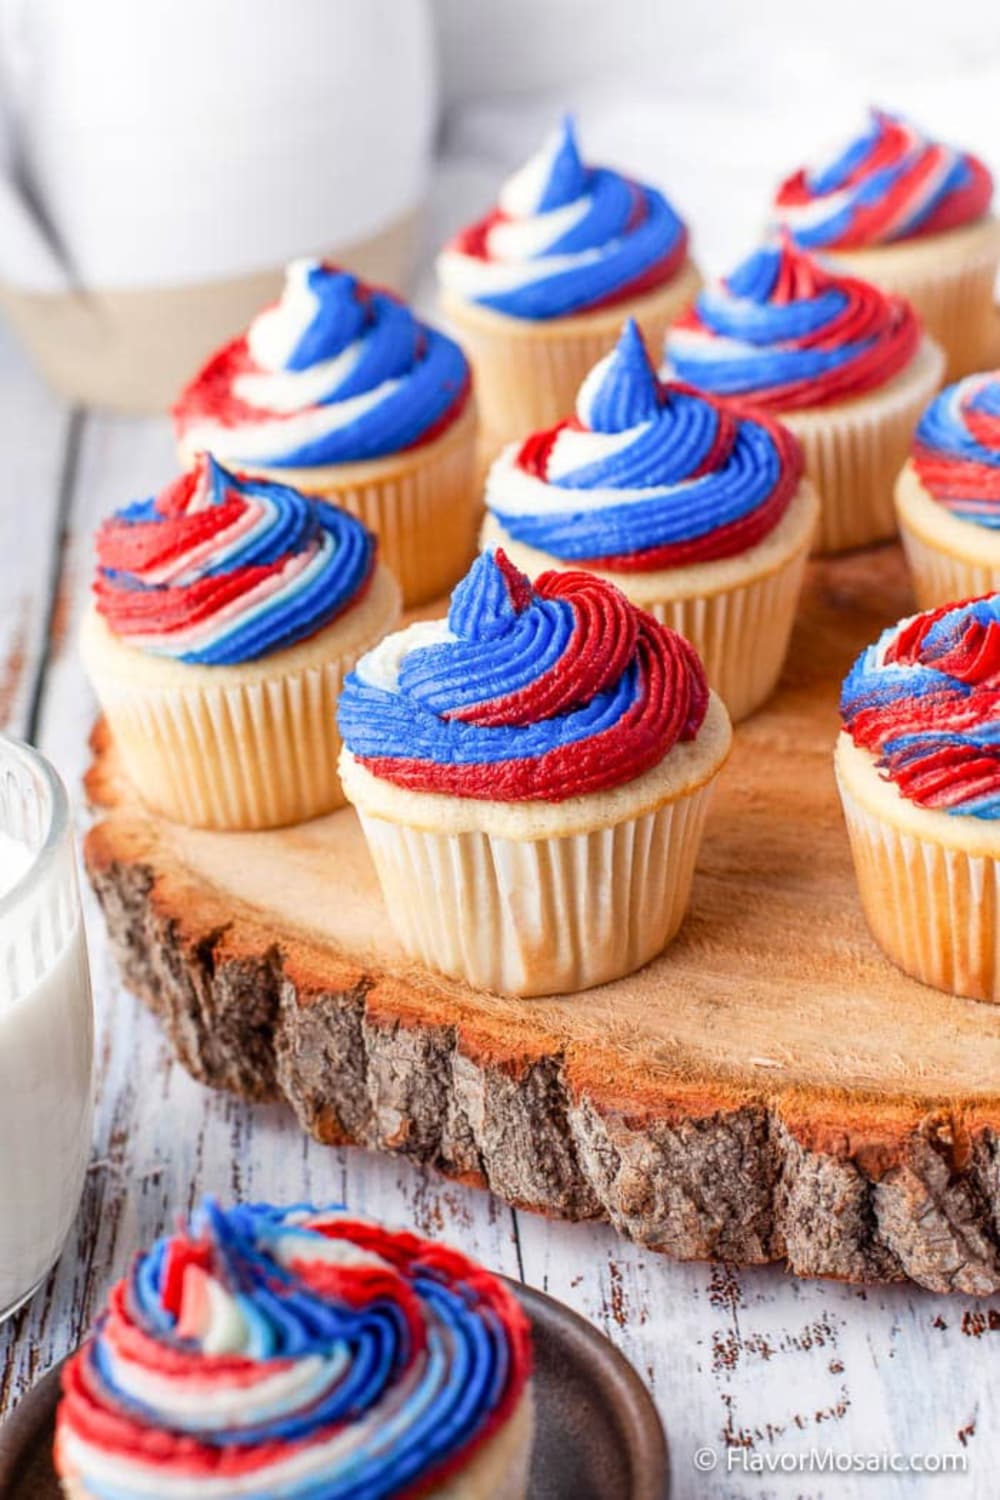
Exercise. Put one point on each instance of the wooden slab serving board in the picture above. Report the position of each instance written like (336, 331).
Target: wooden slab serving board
(770, 1088)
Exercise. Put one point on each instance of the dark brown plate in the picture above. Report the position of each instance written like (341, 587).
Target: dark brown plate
(599, 1436)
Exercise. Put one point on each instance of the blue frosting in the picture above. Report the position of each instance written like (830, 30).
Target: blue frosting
(937, 723)
(626, 231)
(498, 649)
(957, 449)
(876, 185)
(767, 350)
(362, 1351)
(673, 493)
(158, 596)
(942, 425)
(417, 376)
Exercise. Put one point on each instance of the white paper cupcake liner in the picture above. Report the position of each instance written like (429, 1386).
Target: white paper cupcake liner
(741, 636)
(528, 375)
(423, 505)
(949, 558)
(541, 916)
(853, 453)
(953, 290)
(940, 578)
(253, 755)
(738, 613)
(236, 747)
(933, 909)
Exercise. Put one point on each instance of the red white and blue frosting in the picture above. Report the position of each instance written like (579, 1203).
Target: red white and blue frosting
(220, 568)
(646, 475)
(526, 692)
(336, 372)
(296, 1353)
(956, 451)
(565, 238)
(925, 701)
(785, 333)
(889, 183)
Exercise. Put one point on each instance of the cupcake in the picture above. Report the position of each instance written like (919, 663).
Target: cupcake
(948, 495)
(844, 365)
(914, 217)
(339, 391)
(537, 290)
(226, 613)
(300, 1353)
(697, 510)
(918, 765)
(531, 776)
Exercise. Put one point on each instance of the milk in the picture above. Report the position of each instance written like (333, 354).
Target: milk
(46, 1057)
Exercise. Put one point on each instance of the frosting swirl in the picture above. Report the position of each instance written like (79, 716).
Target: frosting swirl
(646, 475)
(925, 700)
(565, 238)
(525, 693)
(787, 333)
(220, 568)
(298, 1352)
(956, 451)
(889, 183)
(333, 373)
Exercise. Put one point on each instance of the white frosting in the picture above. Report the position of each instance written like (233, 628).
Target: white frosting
(510, 491)
(256, 442)
(470, 276)
(521, 194)
(296, 1466)
(290, 390)
(297, 574)
(699, 343)
(275, 333)
(204, 1406)
(294, 406)
(815, 211)
(379, 668)
(526, 239)
(572, 450)
(804, 216)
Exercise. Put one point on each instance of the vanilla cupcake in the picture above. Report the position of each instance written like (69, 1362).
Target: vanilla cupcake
(339, 391)
(299, 1352)
(532, 777)
(918, 766)
(948, 494)
(843, 365)
(913, 216)
(226, 613)
(537, 290)
(697, 510)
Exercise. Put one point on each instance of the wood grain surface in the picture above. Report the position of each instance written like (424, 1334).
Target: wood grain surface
(752, 1365)
(770, 1088)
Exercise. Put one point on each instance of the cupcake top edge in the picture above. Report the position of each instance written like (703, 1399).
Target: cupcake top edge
(220, 568)
(300, 1350)
(646, 474)
(956, 449)
(889, 183)
(525, 692)
(334, 372)
(788, 333)
(565, 238)
(924, 700)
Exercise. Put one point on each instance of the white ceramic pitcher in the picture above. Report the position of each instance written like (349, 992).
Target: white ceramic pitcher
(161, 161)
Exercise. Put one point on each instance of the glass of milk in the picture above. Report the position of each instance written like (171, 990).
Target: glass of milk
(46, 1024)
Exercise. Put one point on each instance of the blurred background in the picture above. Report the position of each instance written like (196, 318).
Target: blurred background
(186, 150)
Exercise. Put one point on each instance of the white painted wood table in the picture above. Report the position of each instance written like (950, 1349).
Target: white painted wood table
(752, 1366)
